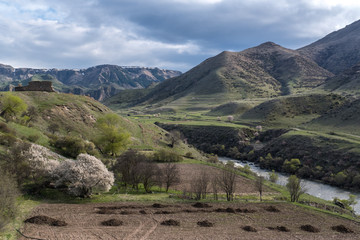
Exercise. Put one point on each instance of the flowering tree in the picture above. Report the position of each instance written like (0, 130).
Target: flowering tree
(83, 175)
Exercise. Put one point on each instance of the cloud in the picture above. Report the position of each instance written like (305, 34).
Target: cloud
(176, 34)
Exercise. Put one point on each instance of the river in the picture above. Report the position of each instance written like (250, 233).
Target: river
(316, 189)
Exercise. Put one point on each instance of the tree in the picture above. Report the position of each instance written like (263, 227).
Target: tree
(199, 185)
(259, 184)
(12, 106)
(227, 182)
(113, 139)
(174, 137)
(148, 174)
(83, 176)
(294, 187)
(291, 166)
(352, 201)
(273, 176)
(170, 175)
(340, 178)
(127, 168)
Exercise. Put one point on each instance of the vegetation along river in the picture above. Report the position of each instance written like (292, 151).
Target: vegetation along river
(316, 189)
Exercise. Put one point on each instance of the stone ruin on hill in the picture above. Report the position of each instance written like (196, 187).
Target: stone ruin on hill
(44, 86)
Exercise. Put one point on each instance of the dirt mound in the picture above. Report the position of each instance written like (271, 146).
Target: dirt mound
(157, 205)
(249, 229)
(162, 212)
(125, 213)
(44, 220)
(342, 229)
(309, 228)
(170, 222)
(205, 223)
(228, 210)
(142, 212)
(272, 209)
(201, 205)
(245, 210)
(112, 222)
(279, 228)
(105, 211)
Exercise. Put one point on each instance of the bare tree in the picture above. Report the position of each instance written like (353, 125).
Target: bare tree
(170, 175)
(148, 174)
(199, 185)
(215, 186)
(259, 184)
(127, 168)
(227, 182)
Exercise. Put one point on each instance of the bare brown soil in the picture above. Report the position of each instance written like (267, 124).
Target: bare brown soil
(84, 222)
(189, 172)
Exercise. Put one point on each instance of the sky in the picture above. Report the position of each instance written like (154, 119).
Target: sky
(169, 34)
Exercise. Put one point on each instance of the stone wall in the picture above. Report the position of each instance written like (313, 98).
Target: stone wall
(44, 86)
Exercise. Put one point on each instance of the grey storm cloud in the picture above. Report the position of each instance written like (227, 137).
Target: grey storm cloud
(175, 34)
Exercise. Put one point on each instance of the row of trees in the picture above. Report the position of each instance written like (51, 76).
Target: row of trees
(133, 168)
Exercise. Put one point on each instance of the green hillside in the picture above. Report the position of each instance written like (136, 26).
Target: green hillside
(293, 109)
(342, 119)
(76, 116)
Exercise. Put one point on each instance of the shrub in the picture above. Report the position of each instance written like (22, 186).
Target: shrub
(33, 138)
(166, 156)
(69, 146)
(5, 128)
(7, 140)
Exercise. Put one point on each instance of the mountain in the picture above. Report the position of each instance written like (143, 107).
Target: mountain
(99, 82)
(267, 70)
(337, 51)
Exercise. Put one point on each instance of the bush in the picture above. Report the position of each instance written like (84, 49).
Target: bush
(69, 146)
(166, 156)
(5, 128)
(7, 140)
(8, 195)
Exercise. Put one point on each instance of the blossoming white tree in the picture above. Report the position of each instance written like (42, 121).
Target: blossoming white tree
(83, 175)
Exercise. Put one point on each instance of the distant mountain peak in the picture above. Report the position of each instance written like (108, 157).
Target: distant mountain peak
(338, 50)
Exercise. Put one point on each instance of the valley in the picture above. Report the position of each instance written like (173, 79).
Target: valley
(138, 153)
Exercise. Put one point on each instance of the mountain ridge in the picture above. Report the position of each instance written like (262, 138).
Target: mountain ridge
(338, 50)
(99, 82)
(267, 70)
